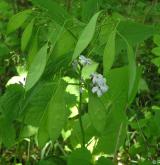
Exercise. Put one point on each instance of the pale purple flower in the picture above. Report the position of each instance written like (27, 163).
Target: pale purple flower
(84, 61)
(99, 84)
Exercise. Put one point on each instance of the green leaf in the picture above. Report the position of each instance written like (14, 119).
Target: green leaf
(45, 108)
(37, 101)
(46, 162)
(17, 20)
(109, 53)
(14, 93)
(143, 86)
(97, 112)
(156, 61)
(37, 67)
(89, 69)
(156, 51)
(134, 32)
(132, 68)
(114, 132)
(90, 7)
(135, 85)
(54, 10)
(28, 131)
(27, 35)
(7, 132)
(43, 135)
(104, 161)
(156, 39)
(57, 114)
(86, 36)
(79, 156)
(33, 50)
(4, 51)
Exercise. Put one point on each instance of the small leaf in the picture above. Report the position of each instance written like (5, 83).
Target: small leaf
(156, 39)
(17, 20)
(109, 53)
(27, 35)
(156, 51)
(156, 61)
(86, 36)
(37, 67)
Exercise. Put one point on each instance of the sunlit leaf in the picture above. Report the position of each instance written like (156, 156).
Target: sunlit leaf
(37, 67)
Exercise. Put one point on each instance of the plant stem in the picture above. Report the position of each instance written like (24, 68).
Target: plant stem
(80, 112)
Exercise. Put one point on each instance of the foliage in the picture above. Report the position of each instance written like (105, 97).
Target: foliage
(79, 82)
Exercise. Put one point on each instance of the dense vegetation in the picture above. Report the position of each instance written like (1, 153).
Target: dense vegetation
(79, 82)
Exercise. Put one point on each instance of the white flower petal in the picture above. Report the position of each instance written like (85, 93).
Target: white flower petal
(104, 88)
(99, 93)
(95, 89)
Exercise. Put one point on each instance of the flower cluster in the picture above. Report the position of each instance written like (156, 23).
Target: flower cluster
(99, 84)
(82, 61)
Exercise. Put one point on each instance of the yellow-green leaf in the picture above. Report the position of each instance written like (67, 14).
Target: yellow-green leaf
(17, 20)
(57, 114)
(37, 67)
(97, 112)
(32, 50)
(27, 35)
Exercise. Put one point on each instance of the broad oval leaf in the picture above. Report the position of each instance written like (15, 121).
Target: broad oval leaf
(109, 53)
(37, 67)
(79, 156)
(134, 32)
(97, 112)
(27, 35)
(57, 114)
(43, 136)
(17, 20)
(86, 36)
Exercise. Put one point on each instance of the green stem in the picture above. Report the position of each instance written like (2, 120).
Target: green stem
(80, 112)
